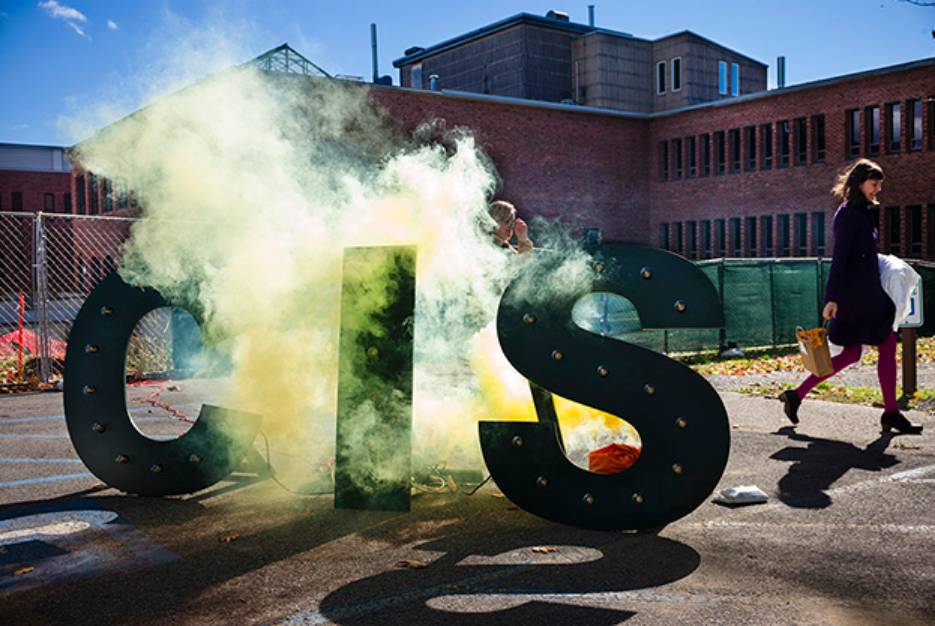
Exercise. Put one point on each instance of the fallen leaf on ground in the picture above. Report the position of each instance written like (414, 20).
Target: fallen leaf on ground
(452, 485)
(497, 494)
(412, 564)
(173, 388)
(544, 549)
(23, 570)
(229, 538)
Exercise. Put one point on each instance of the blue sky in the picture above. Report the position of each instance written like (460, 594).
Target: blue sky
(60, 59)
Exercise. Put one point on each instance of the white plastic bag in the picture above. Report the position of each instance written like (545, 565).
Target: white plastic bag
(898, 280)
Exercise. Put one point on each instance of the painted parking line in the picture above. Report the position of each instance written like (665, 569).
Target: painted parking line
(27, 459)
(45, 479)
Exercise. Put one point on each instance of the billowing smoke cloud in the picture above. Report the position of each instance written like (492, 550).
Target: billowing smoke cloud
(254, 184)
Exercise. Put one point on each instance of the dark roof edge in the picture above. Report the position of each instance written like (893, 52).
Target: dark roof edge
(489, 29)
(815, 84)
(713, 43)
(7, 144)
(535, 104)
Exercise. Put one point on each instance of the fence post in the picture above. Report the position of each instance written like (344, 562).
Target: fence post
(772, 301)
(722, 332)
(41, 296)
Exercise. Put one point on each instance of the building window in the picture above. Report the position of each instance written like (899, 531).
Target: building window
(660, 77)
(108, 195)
(692, 156)
(734, 79)
(931, 122)
(720, 152)
(706, 238)
(751, 236)
(677, 158)
(818, 233)
(766, 146)
(783, 234)
(67, 199)
(894, 130)
(664, 236)
(783, 143)
(914, 215)
(706, 155)
(415, 76)
(16, 201)
(735, 237)
(123, 197)
(766, 223)
(914, 108)
(48, 202)
(750, 138)
(873, 129)
(734, 135)
(79, 189)
(800, 236)
(853, 132)
(92, 195)
(677, 231)
(719, 238)
(692, 240)
(676, 73)
(721, 77)
(801, 132)
(818, 138)
(893, 230)
(663, 160)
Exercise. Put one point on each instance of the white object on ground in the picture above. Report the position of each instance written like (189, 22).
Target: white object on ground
(744, 494)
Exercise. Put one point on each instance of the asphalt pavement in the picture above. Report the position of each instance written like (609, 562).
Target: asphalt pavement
(847, 537)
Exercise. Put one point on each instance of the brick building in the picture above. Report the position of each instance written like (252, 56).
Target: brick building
(553, 59)
(34, 178)
(745, 175)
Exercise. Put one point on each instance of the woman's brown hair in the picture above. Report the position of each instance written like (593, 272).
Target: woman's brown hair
(847, 187)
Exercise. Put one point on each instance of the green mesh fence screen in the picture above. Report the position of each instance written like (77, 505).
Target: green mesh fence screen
(764, 301)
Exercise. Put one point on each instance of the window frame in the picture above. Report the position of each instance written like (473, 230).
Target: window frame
(766, 234)
(722, 78)
(873, 125)
(691, 151)
(660, 78)
(677, 159)
(705, 155)
(800, 141)
(819, 147)
(767, 139)
(783, 138)
(735, 160)
(663, 160)
(416, 70)
(893, 118)
(913, 142)
(853, 133)
(676, 74)
(720, 153)
(751, 147)
(735, 79)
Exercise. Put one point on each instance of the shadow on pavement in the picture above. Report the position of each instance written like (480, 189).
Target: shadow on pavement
(625, 563)
(822, 463)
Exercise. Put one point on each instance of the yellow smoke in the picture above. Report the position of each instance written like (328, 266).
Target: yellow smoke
(254, 185)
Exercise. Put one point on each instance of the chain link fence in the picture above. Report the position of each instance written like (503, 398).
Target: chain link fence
(49, 263)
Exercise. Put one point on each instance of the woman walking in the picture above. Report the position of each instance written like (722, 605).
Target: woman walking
(859, 309)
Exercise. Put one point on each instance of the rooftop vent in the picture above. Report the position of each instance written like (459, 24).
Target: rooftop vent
(413, 50)
(561, 16)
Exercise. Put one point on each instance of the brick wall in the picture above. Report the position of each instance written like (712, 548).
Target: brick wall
(33, 186)
(910, 175)
(588, 169)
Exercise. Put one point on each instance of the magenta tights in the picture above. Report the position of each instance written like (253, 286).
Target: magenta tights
(886, 371)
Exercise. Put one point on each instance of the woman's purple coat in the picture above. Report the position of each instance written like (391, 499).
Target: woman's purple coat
(865, 312)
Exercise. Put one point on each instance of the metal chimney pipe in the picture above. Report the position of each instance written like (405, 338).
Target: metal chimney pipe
(373, 46)
(433, 83)
(781, 72)
(591, 15)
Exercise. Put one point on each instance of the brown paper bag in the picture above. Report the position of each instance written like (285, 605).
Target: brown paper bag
(814, 350)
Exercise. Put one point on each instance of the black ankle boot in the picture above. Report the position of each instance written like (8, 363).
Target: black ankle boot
(791, 404)
(898, 422)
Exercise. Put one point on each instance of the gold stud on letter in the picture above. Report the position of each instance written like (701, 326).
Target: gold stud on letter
(680, 306)
(557, 355)
(646, 273)
(649, 389)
